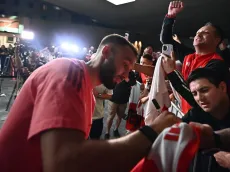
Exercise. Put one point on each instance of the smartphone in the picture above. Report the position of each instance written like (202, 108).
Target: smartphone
(167, 49)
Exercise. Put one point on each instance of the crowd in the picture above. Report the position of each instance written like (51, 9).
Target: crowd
(57, 119)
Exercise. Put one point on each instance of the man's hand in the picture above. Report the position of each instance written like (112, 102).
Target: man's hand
(164, 120)
(175, 7)
(168, 63)
(176, 38)
(223, 159)
(223, 45)
(206, 138)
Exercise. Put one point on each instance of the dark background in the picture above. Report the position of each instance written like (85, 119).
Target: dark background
(86, 22)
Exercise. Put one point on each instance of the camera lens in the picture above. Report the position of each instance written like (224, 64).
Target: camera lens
(165, 47)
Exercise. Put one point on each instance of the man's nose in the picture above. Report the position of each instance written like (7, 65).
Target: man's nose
(200, 97)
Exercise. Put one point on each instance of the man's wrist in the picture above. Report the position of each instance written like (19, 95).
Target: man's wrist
(171, 15)
(150, 133)
(170, 71)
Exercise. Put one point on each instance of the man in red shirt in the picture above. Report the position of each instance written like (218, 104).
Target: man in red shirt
(49, 123)
(205, 43)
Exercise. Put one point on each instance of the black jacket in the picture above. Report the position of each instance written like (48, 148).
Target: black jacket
(203, 162)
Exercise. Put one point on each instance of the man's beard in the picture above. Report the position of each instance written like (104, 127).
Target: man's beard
(107, 73)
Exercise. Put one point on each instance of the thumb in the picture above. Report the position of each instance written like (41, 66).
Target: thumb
(173, 56)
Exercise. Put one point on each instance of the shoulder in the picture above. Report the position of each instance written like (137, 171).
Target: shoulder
(218, 65)
(193, 115)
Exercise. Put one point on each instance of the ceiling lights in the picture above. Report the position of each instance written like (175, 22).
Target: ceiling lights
(120, 2)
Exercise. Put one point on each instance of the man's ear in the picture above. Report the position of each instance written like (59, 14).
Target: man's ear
(218, 39)
(106, 51)
(223, 86)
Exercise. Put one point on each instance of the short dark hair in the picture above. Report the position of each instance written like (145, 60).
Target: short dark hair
(148, 57)
(219, 32)
(116, 39)
(206, 73)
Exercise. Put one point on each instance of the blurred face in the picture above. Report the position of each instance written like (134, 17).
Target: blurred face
(208, 96)
(145, 61)
(148, 50)
(206, 36)
(116, 66)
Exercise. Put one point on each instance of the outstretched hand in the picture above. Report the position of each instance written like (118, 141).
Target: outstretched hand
(175, 7)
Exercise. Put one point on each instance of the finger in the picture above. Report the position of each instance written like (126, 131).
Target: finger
(195, 124)
(177, 4)
(165, 56)
(173, 56)
(182, 4)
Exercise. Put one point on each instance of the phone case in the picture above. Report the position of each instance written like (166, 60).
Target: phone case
(167, 49)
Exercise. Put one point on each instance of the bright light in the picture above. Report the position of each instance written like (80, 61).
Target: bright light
(27, 35)
(84, 49)
(65, 46)
(75, 48)
(70, 47)
(120, 2)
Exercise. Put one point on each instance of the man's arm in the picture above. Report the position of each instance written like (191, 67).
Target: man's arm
(166, 36)
(147, 70)
(208, 140)
(181, 87)
(66, 150)
(225, 138)
(102, 96)
(177, 81)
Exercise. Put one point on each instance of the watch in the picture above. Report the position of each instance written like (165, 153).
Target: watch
(149, 133)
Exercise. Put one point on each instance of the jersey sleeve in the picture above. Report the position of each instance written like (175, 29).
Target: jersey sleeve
(58, 104)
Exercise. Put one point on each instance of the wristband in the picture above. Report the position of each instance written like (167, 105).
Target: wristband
(149, 133)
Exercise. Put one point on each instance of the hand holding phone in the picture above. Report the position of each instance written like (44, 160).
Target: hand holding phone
(167, 49)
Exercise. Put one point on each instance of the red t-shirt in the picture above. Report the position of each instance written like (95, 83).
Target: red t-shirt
(57, 95)
(192, 62)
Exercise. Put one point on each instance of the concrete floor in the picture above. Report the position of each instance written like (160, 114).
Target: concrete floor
(7, 88)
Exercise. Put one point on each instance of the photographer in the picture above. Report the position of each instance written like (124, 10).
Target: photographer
(3, 54)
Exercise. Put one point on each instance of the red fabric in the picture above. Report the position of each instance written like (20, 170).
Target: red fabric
(143, 78)
(145, 165)
(57, 95)
(134, 121)
(192, 62)
(189, 152)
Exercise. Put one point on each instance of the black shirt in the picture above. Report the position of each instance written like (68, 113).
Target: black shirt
(205, 163)
(121, 93)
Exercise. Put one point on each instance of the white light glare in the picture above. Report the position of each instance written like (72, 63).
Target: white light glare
(70, 47)
(65, 46)
(120, 2)
(27, 35)
(75, 48)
